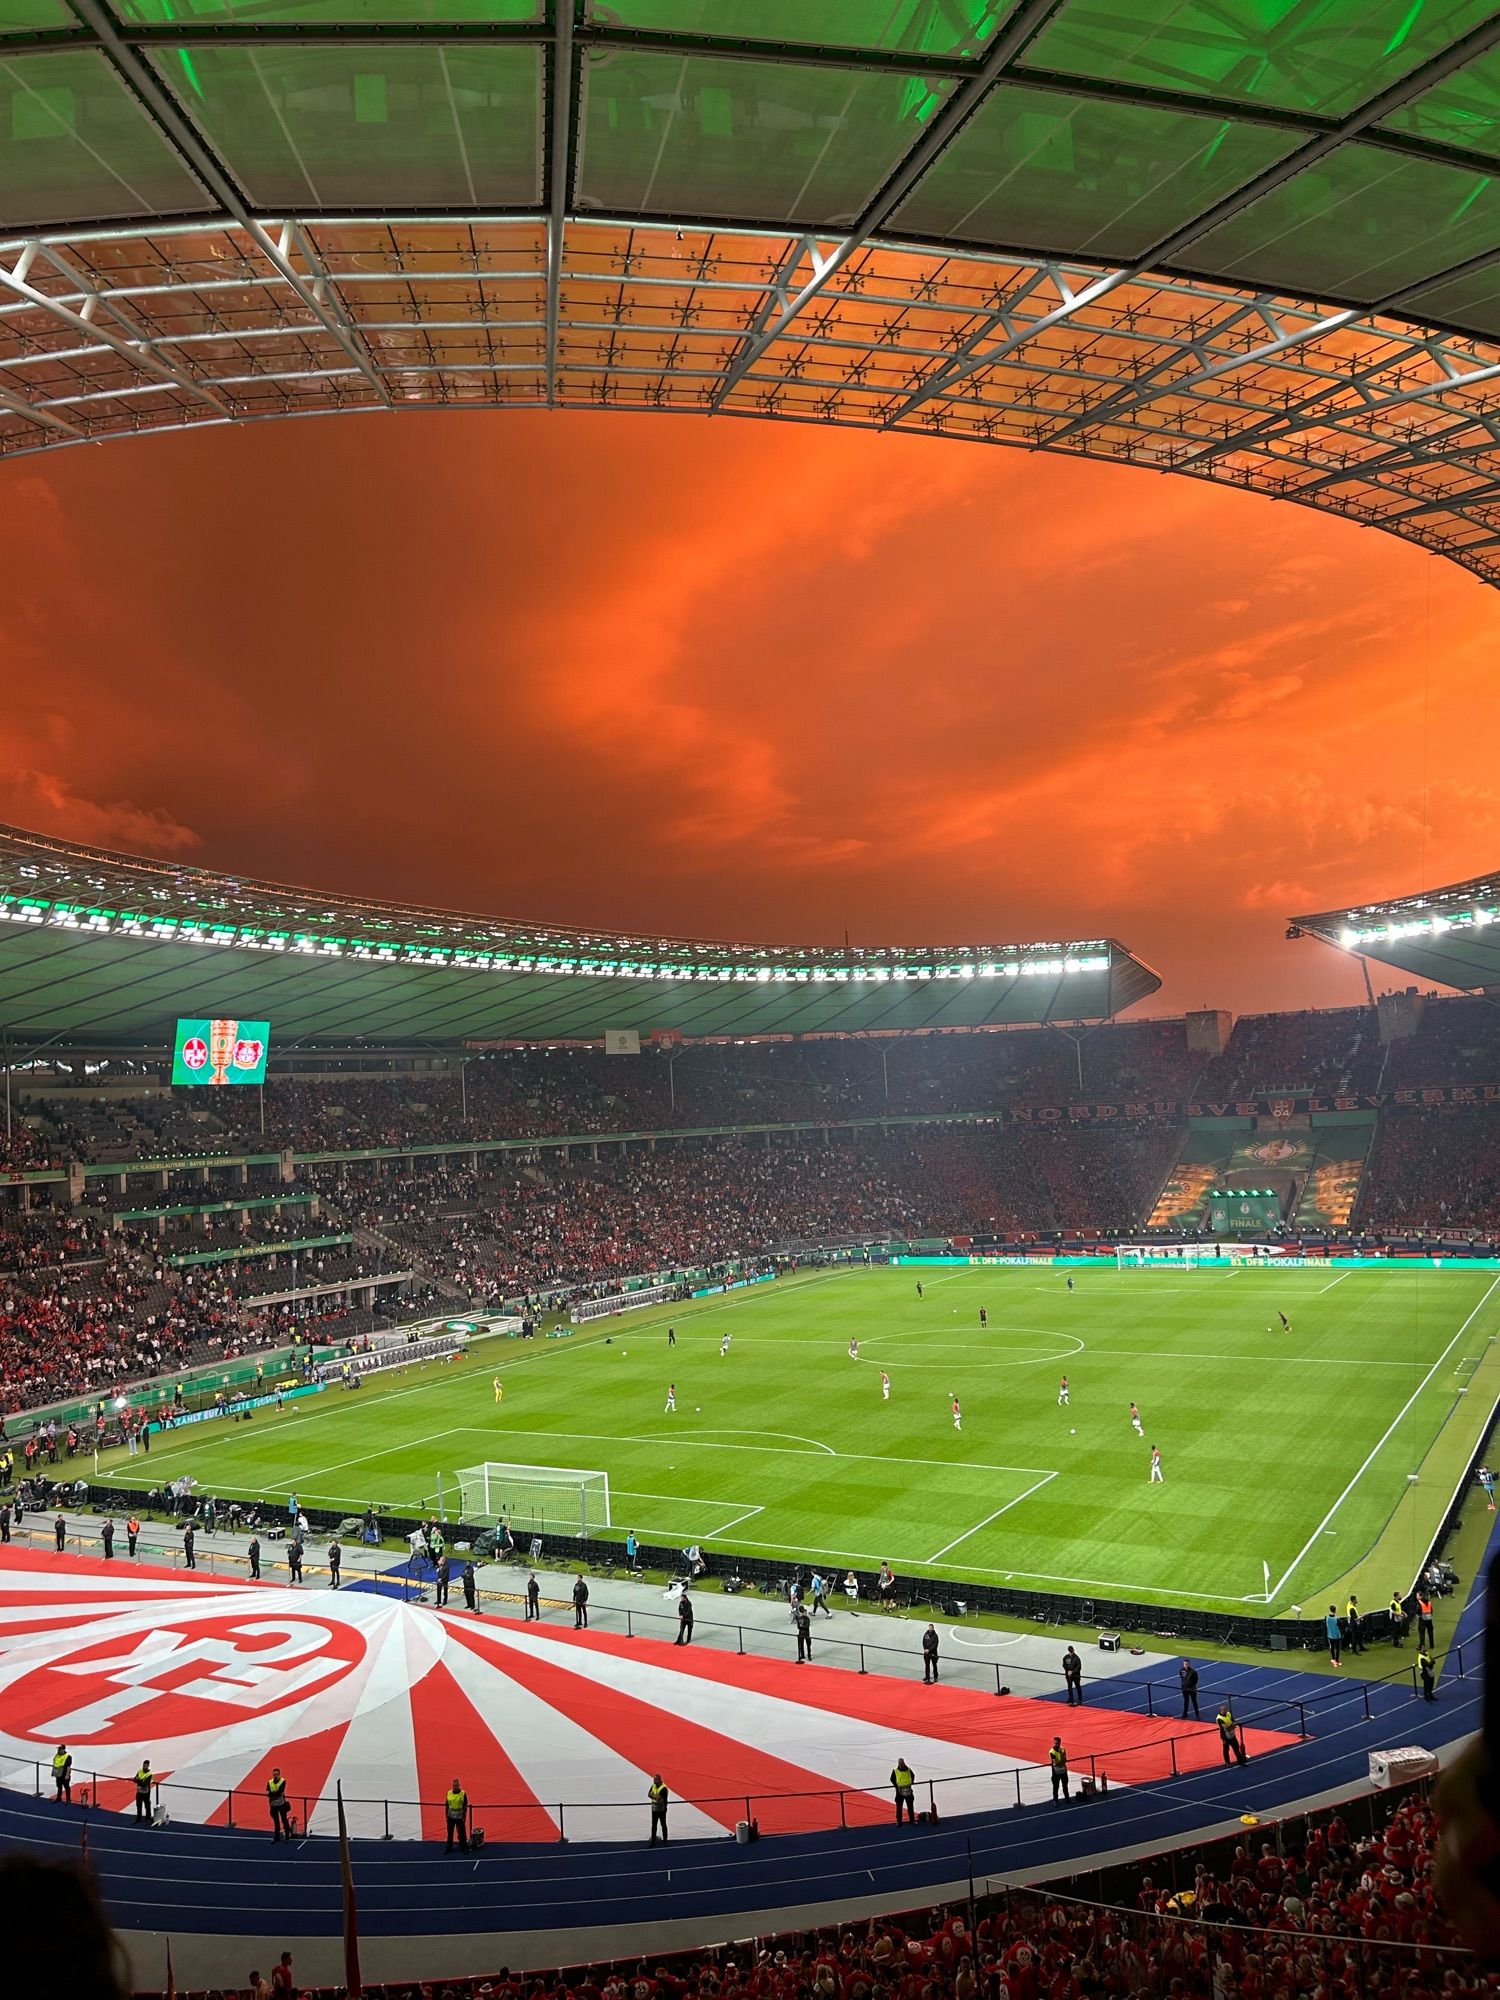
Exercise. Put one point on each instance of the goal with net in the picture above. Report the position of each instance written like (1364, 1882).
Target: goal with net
(1170, 1256)
(532, 1499)
(1193, 1256)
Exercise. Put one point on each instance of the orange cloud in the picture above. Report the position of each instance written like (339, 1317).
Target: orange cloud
(731, 678)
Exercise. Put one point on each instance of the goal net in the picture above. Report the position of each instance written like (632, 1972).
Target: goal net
(533, 1499)
(1169, 1256)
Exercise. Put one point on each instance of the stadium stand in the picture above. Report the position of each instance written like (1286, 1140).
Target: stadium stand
(1316, 1909)
(1457, 1041)
(1335, 1050)
(1434, 1168)
(88, 1300)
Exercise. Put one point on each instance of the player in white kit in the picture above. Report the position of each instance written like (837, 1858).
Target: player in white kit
(1135, 1419)
(671, 1397)
(885, 1387)
(958, 1416)
(1156, 1478)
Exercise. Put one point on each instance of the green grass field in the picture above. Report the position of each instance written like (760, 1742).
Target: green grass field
(1286, 1449)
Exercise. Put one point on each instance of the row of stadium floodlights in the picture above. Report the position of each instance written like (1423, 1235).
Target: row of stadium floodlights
(1011, 963)
(1436, 925)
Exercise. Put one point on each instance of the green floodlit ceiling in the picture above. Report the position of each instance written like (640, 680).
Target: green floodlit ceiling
(1451, 936)
(109, 949)
(1251, 241)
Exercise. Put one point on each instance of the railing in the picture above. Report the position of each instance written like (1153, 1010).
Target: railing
(1014, 1913)
(823, 1810)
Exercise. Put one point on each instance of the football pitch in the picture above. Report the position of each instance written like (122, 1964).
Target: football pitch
(1286, 1454)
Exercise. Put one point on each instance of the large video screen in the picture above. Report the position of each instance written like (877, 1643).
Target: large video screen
(220, 1051)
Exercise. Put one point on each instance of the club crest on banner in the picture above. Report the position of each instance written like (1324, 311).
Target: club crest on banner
(176, 1678)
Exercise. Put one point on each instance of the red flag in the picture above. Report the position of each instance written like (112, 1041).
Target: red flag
(171, 1978)
(352, 1988)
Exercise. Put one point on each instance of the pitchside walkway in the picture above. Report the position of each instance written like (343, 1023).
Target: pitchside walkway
(970, 1655)
(1274, 1694)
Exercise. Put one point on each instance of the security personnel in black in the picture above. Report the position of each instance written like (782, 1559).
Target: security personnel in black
(62, 1774)
(580, 1603)
(456, 1807)
(60, 1532)
(657, 1793)
(1398, 1618)
(444, 1580)
(4, 1520)
(802, 1619)
(189, 1540)
(1057, 1759)
(1229, 1735)
(280, 1804)
(294, 1558)
(1427, 1668)
(533, 1598)
(684, 1619)
(930, 1654)
(145, 1782)
(255, 1558)
(335, 1557)
(471, 1588)
(1187, 1673)
(107, 1536)
(1073, 1677)
(904, 1785)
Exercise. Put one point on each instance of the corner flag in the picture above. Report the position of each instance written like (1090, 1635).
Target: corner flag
(1265, 1570)
(352, 1986)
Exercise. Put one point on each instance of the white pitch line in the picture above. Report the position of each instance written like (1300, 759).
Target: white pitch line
(1254, 1360)
(1148, 1593)
(306, 1479)
(684, 1440)
(991, 1517)
(1383, 1439)
(748, 1515)
(1330, 1285)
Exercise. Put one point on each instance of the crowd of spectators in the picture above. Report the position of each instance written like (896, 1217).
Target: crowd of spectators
(1457, 1041)
(85, 1302)
(556, 1092)
(1434, 1168)
(562, 1091)
(1313, 1910)
(1332, 1050)
(1100, 1177)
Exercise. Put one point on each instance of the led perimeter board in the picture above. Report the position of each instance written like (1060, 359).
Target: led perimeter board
(216, 1052)
(1243, 1211)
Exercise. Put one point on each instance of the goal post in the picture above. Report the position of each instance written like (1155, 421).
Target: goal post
(533, 1499)
(1168, 1256)
(1220, 1256)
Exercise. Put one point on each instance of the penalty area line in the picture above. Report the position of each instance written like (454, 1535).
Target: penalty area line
(1036, 1488)
(1380, 1442)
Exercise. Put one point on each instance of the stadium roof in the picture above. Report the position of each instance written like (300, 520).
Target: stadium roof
(100, 949)
(1246, 240)
(1449, 935)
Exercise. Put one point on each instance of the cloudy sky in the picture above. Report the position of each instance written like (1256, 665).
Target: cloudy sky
(738, 679)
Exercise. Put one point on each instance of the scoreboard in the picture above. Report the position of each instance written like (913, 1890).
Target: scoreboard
(1243, 1211)
(219, 1052)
